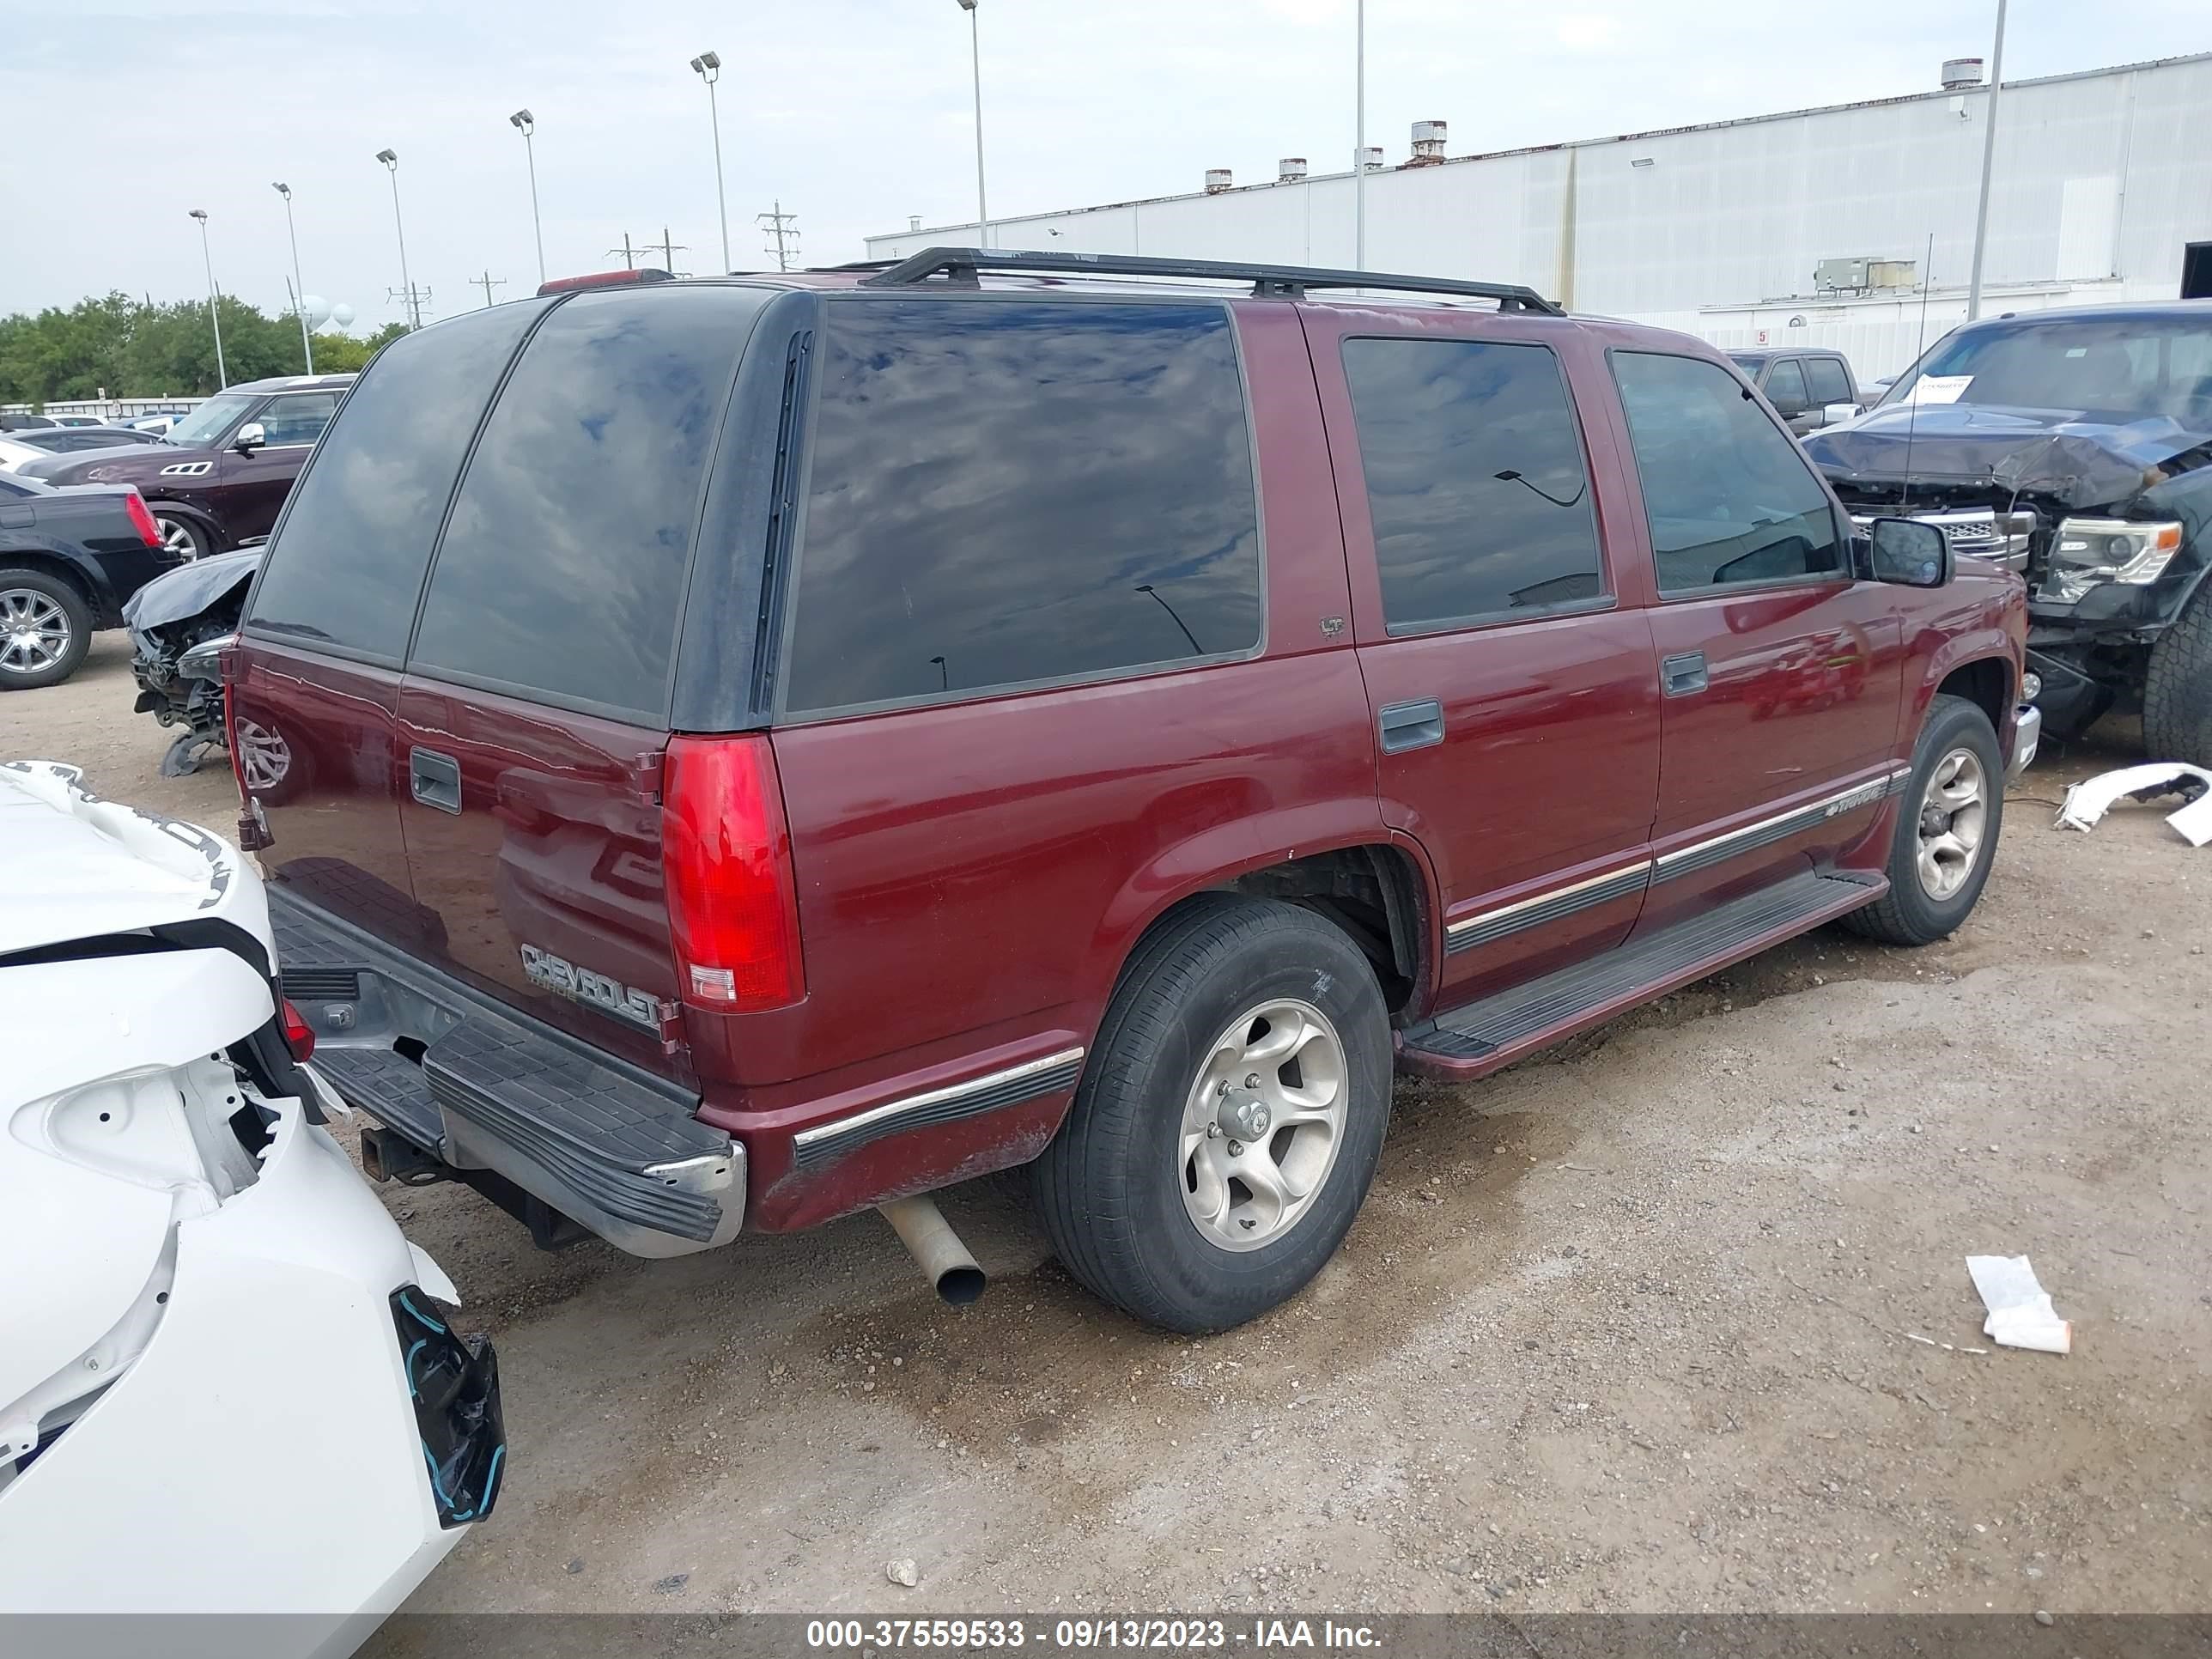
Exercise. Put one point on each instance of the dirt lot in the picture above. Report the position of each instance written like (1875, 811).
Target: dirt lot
(1625, 1328)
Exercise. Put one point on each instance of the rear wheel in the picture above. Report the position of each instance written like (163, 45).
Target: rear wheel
(1947, 829)
(45, 628)
(1230, 1120)
(2178, 693)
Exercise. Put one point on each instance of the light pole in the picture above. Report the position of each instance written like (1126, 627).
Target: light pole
(1989, 160)
(298, 283)
(526, 123)
(975, 65)
(221, 374)
(709, 67)
(1359, 138)
(391, 160)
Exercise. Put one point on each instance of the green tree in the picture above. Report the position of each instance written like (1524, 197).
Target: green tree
(135, 349)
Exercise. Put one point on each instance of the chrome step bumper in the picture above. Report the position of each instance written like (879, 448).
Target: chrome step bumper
(611, 1146)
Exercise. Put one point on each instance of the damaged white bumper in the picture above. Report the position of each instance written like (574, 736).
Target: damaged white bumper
(227, 1384)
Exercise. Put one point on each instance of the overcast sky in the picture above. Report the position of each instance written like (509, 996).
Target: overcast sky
(125, 113)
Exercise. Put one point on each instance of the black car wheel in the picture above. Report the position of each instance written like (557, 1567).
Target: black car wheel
(45, 628)
(1948, 822)
(1229, 1121)
(2176, 717)
(182, 538)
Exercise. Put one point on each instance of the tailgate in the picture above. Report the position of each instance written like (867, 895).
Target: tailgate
(533, 837)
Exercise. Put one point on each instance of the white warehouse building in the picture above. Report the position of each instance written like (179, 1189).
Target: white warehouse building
(1808, 228)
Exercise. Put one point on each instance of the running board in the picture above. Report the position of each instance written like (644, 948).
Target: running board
(1470, 1041)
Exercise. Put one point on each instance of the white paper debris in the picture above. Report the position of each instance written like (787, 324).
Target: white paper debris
(2089, 801)
(2020, 1314)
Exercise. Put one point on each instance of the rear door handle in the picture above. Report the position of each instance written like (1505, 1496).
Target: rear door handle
(1411, 726)
(1683, 676)
(434, 778)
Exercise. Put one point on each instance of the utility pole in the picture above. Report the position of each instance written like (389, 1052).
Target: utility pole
(629, 254)
(781, 226)
(487, 282)
(221, 374)
(412, 301)
(300, 282)
(1359, 139)
(667, 247)
(1989, 160)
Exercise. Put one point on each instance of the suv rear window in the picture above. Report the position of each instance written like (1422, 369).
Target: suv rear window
(561, 574)
(1010, 492)
(1475, 482)
(346, 565)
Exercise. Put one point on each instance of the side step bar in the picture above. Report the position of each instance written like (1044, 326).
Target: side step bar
(1478, 1038)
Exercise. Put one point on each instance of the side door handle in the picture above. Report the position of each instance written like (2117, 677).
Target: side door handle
(1683, 676)
(1411, 726)
(435, 780)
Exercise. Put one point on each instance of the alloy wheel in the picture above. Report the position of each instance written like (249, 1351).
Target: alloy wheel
(178, 540)
(1955, 810)
(34, 631)
(264, 759)
(1263, 1123)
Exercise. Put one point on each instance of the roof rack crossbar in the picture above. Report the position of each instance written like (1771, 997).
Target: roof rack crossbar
(957, 267)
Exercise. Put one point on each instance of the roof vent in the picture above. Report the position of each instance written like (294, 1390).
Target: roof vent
(1217, 180)
(1290, 170)
(1428, 144)
(913, 222)
(1371, 157)
(1959, 73)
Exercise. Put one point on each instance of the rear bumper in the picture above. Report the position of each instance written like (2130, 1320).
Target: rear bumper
(499, 1099)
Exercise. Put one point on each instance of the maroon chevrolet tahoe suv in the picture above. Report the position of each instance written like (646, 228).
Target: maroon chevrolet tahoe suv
(763, 747)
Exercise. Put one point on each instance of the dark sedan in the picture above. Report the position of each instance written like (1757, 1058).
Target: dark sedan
(220, 475)
(68, 558)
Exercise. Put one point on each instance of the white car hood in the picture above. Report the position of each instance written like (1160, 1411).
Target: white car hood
(91, 867)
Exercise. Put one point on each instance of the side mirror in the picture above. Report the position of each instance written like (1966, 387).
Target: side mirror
(1909, 553)
(250, 436)
(1837, 414)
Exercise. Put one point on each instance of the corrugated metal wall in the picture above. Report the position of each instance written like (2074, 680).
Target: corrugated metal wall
(2101, 180)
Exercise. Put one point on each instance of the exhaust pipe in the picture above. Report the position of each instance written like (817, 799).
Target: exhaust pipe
(923, 1228)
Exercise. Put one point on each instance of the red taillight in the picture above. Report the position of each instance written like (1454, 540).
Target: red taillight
(299, 1035)
(733, 902)
(141, 520)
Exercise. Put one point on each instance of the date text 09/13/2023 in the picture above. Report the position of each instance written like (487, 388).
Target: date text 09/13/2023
(1166, 1635)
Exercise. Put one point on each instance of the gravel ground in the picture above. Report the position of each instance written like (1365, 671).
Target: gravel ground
(1629, 1327)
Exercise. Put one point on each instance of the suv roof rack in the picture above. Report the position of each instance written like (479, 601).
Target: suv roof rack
(958, 267)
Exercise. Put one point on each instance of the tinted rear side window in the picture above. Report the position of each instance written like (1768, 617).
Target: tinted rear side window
(1475, 483)
(561, 571)
(347, 564)
(1005, 492)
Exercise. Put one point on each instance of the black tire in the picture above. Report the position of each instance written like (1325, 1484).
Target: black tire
(39, 597)
(1909, 914)
(1110, 1189)
(2177, 720)
(177, 525)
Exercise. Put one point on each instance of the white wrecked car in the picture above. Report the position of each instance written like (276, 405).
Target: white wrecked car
(226, 1382)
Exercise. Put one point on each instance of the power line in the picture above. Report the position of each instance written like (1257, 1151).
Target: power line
(414, 300)
(782, 230)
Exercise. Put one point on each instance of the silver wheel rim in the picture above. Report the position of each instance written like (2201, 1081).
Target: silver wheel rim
(1954, 813)
(177, 539)
(34, 631)
(1262, 1125)
(263, 756)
